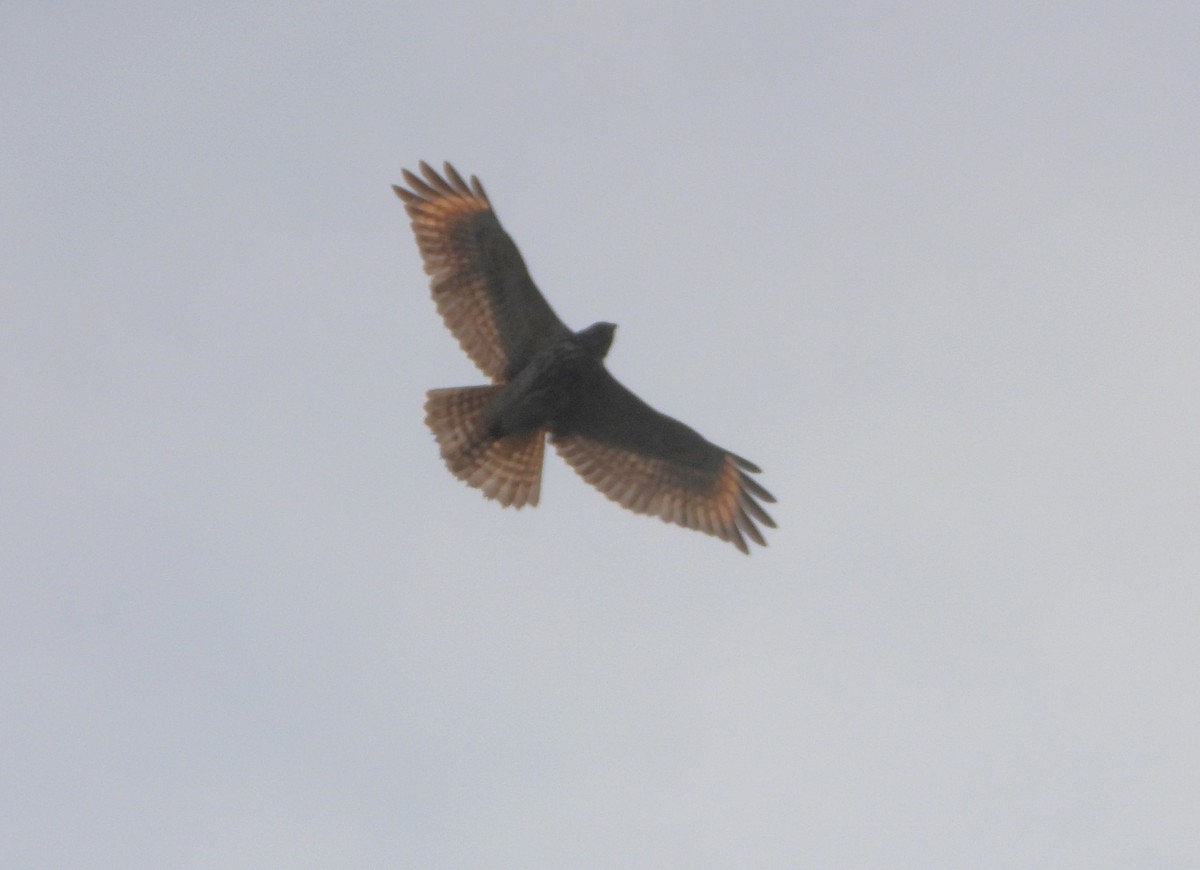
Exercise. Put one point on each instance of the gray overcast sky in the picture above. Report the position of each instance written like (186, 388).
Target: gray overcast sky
(934, 267)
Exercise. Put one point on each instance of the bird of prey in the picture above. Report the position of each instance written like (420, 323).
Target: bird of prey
(548, 380)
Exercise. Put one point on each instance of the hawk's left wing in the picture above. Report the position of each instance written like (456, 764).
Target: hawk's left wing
(479, 281)
(653, 464)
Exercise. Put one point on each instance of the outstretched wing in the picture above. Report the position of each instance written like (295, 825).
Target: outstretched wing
(479, 280)
(653, 464)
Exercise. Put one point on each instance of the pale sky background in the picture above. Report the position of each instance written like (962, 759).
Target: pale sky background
(935, 267)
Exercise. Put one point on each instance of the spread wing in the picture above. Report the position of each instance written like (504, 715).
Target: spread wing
(479, 281)
(653, 464)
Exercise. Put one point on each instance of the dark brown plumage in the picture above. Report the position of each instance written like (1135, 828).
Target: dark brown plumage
(550, 380)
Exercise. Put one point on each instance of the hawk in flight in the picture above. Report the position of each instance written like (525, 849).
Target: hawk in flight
(547, 379)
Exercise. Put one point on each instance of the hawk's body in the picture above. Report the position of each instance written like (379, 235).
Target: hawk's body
(550, 380)
(544, 393)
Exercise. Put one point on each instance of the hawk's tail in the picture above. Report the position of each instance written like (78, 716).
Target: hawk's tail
(508, 469)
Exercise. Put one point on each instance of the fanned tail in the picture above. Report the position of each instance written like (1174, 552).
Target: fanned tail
(508, 469)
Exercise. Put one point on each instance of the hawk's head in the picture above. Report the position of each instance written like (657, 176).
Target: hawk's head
(597, 338)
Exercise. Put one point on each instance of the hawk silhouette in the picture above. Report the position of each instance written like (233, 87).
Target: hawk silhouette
(547, 379)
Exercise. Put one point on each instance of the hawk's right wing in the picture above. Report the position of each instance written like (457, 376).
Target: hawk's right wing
(480, 283)
(653, 464)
